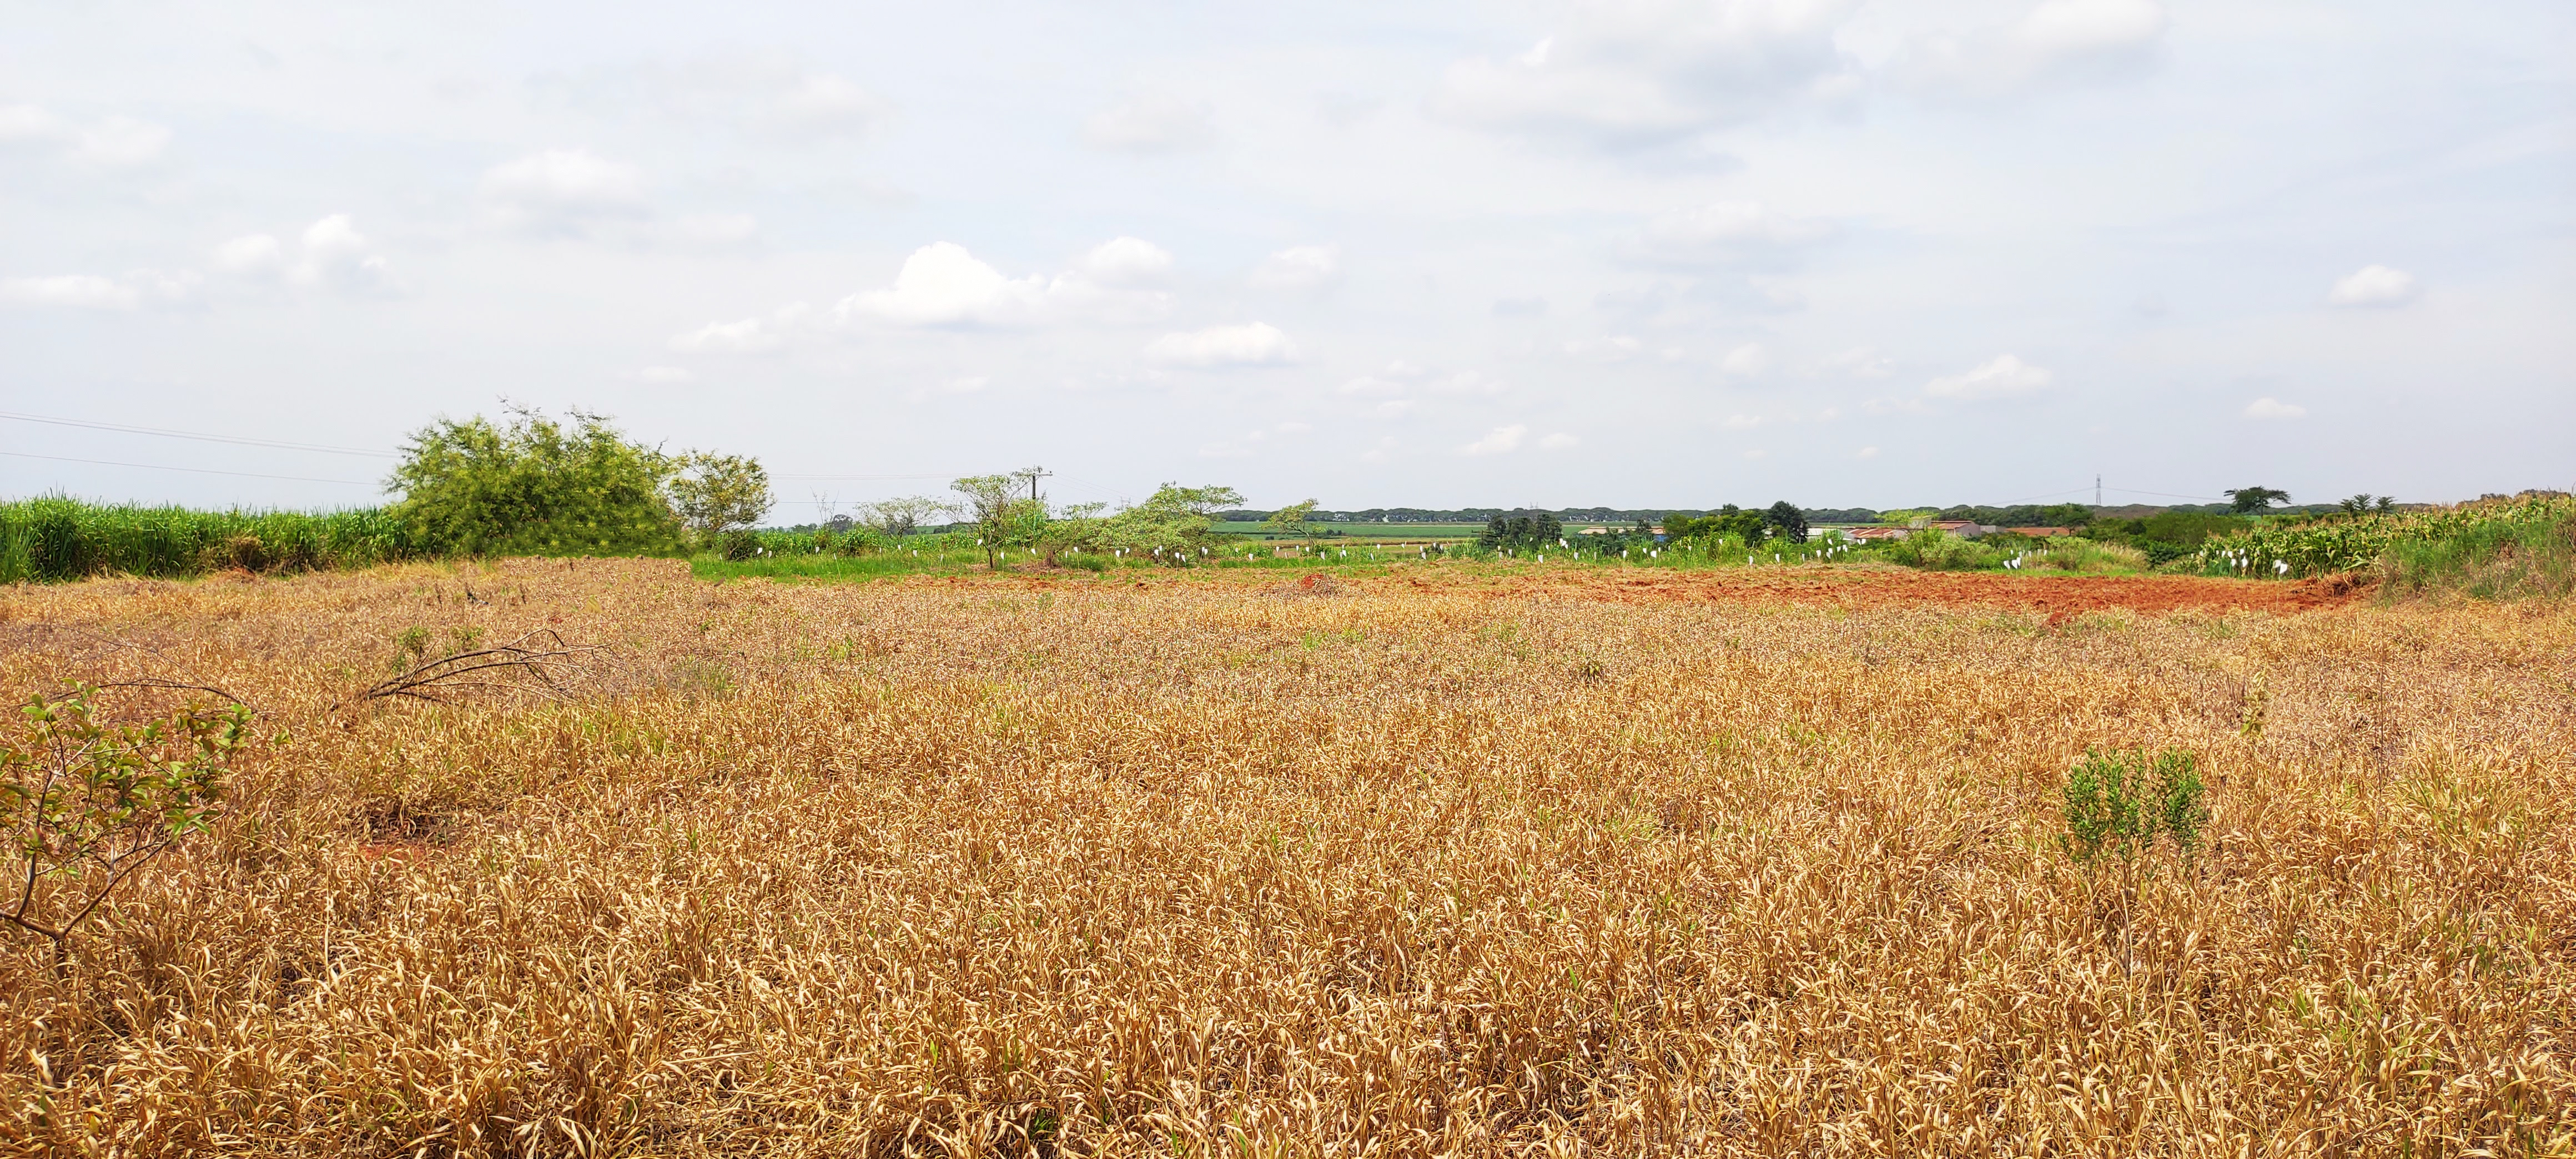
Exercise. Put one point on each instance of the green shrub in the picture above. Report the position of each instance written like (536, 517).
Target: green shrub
(535, 488)
(738, 545)
(2120, 801)
(1936, 550)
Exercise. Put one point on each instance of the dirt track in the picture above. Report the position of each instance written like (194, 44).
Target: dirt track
(2061, 598)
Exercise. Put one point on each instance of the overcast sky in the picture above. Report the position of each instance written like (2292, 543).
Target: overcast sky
(1871, 253)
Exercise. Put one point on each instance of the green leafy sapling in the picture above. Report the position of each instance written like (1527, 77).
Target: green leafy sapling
(2120, 801)
(86, 804)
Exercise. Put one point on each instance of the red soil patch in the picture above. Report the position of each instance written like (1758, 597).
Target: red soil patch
(2060, 598)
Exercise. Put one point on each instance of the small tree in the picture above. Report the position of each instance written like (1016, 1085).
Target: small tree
(1002, 517)
(88, 804)
(2252, 500)
(715, 494)
(896, 518)
(1297, 519)
(1791, 522)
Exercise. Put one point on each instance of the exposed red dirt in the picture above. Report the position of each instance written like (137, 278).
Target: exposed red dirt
(2060, 598)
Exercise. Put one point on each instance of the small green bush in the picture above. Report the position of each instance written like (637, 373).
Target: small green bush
(2122, 800)
(1936, 550)
(738, 545)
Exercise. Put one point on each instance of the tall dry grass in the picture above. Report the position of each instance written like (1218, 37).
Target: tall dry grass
(1203, 867)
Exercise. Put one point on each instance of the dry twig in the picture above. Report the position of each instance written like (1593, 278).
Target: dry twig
(539, 660)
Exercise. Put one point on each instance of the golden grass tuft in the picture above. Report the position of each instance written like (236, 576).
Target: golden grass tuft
(1094, 867)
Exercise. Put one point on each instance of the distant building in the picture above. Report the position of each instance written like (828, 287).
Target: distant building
(1879, 534)
(2042, 532)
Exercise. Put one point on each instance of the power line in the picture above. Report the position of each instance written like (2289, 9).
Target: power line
(193, 470)
(169, 434)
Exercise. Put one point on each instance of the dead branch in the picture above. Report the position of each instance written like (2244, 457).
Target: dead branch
(535, 662)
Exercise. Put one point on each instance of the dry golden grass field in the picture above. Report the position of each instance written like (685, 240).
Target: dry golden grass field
(1223, 865)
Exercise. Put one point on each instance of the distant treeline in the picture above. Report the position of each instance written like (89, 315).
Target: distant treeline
(2016, 515)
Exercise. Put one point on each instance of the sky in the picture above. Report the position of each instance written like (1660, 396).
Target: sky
(1870, 253)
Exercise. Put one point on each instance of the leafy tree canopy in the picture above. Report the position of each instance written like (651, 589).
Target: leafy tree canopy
(536, 487)
(2247, 500)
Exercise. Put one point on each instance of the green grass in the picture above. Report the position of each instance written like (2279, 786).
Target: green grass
(56, 539)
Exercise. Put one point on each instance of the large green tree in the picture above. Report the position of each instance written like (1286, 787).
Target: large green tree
(534, 486)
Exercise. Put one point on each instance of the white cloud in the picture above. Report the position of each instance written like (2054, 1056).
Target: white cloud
(1500, 440)
(752, 335)
(967, 385)
(1866, 453)
(1646, 72)
(1254, 344)
(1728, 233)
(1304, 267)
(79, 291)
(1741, 422)
(1150, 123)
(255, 255)
(942, 284)
(1862, 362)
(1746, 360)
(2002, 377)
(2077, 40)
(339, 258)
(1557, 442)
(2373, 285)
(562, 190)
(1127, 261)
(2273, 408)
(94, 292)
(108, 142)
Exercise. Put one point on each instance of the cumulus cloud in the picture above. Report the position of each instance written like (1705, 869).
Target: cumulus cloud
(1865, 453)
(339, 258)
(1127, 261)
(1647, 72)
(257, 255)
(1252, 344)
(2004, 376)
(2373, 286)
(1558, 442)
(2056, 40)
(754, 335)
(2273, 408)
(943, 284)
(108, 142)
(563, 191)
(1304, 267)
(1150, 123)
(1728, 233)
(1498, 441)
